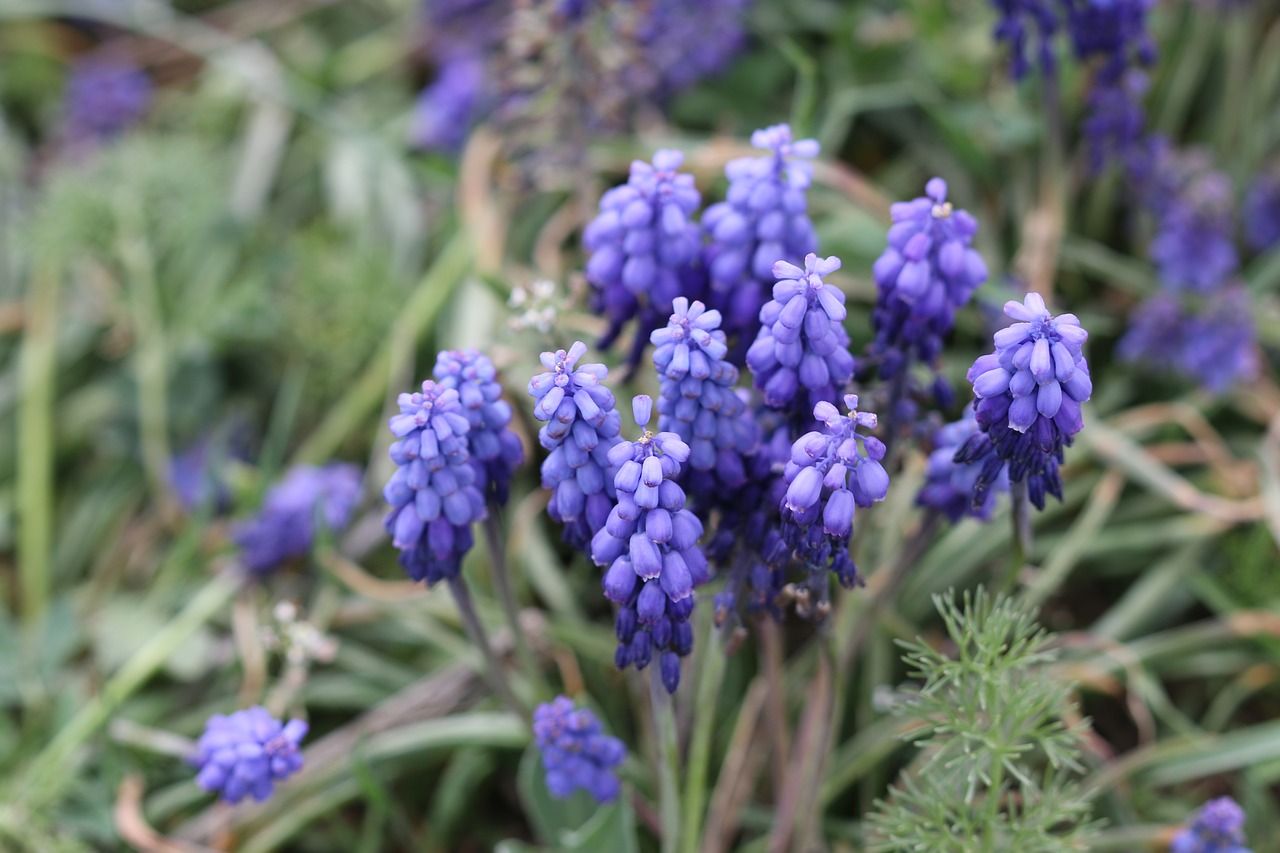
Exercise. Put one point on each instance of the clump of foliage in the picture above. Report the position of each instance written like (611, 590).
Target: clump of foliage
(998, 758)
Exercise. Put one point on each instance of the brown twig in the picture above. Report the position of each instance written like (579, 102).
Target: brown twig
(133, 827)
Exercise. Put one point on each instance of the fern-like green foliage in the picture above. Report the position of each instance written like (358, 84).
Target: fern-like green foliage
(998, 764)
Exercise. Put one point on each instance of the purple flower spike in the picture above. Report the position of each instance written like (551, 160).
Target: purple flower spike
(1194, 246)
(582, 426)
(1218, 828)
(959, 489)
(1262, 212)
(285, 528)
(246, 753)
(802, 344)
(1212, 341)
(927, 272)
(495, 450)
(1029, 394)
(1020, 21)
(103, 99)
(763, 219)
(831, 472)
(435, 492)
(446, 109)
(576, 753)
(643, 243)
(698, 401)
(648, 547)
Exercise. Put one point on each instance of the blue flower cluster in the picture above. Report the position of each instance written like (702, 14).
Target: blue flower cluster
(1262, 212)
(959, 489)
(643, 243)
(1029, 394)
(103, 98)
(581, 428)
(495, 449)
(576, 753)
(1111, 32)
(763, 219)
(831, 472)
(244, 754)
(668, 44)
(1201, 323)
(802, 343)
(649, 546)
(699, 403)
(286, 526)
(435, 491)
(1209, 340)
(927, 272)
(1218, 828)
(1019, 22)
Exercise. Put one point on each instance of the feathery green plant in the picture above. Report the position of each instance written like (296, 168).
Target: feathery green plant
(997, 763)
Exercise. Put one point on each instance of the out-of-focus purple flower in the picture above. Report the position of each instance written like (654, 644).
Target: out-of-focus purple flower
(698, 402)
(198, 473)
(950, 486)
(649, 549)
(246, 753)
(1212, 342)
(642, 244)
(285, 527)
(495, 449)
(434, 493)
(1194, 246)
(1021, 21)
(1262, 212)
(1115, 33)
(1029, 394)
(446, 109)
(802, 344)
(576, 753)
(763, 219)
(103, 98)
(926, 273)
(464, 27)
(688, 41)
(831, 472)
(1217, 828)
(582, 426)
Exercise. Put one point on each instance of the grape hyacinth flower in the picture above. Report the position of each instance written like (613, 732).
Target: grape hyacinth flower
(950, 486)
(1194, 246)
(447, 108)
(1262, 212)
(286, 526)
(649, 549)
(642, 243)
(698, 401)
(1114, 32)
(685, 42)
(802, 344)
(830, 473)
(581, 428)
(434, 492)
(1029, 394)
(763, 219)
(495, 450)
(576, 753)
(1213, 344)
(103, 98)
(1018, 18)
(1218, 828)
(926, 273)
(246, 753)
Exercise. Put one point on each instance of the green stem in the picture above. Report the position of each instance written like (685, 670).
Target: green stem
(1020, 513)
(510, 607)
(50, 770)
(35, 439)
(492, 671)
(705, 718)
(668, 760)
